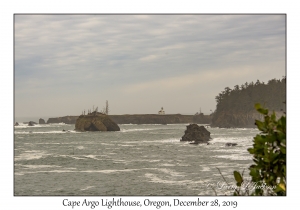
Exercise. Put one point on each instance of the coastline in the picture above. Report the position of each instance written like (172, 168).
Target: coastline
(143, 119)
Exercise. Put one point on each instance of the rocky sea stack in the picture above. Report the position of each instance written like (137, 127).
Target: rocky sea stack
(42, 121)
(31, 123)
(95, 122)
(197, 134)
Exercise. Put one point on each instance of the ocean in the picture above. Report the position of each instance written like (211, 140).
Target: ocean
(139, 160)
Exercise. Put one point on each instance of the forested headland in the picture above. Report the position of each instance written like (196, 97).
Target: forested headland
(235, 107)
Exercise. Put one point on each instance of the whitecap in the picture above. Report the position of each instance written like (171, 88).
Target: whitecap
(92, 157)
(154, 178)
(125, 145)
(170, 172)
(86, 188)
(169, 140)
(22, 125)
(235, 157)
(71, 156)
(44, 132)
(166, 164)
(19, 174)
(37, 166)
(205, 168)
(87, 171)
(137, 129)
(30, 155)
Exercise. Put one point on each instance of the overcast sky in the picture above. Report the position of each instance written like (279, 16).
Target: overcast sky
(140, 63)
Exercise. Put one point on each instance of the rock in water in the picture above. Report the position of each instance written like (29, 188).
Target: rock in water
(42, 121)
(31, 123)
(16, 124)
(95, 122)
(196, 133)
(230, 144)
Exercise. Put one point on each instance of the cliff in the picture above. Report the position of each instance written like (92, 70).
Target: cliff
(238, 119)
(66, 119)
(95, 122)
(42, 121)
(235, 107)
(143, 119)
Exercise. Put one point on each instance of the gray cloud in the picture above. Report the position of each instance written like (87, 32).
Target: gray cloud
(65, 63)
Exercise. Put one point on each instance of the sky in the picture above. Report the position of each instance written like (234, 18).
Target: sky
(64, 64)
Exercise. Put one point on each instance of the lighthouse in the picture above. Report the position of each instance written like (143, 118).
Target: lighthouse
(161, 111)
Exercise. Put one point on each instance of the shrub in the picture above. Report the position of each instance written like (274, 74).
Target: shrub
(268, 173)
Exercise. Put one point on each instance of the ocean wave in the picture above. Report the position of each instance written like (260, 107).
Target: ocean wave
(169, 140)
(45, 132)
(234, 157)
(21, 125)
(137, 129)
(239, 129)
(204, 168)
(167, 165)
(76, 171)
(61, 123)
(232, 139)
(30, 155)
(154, 178)
(126, 145)
(86, 188)
(148, 124)
(38, 166)
(53, 125)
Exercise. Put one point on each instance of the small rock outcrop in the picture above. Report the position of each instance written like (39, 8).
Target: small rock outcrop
(197, 134)
(42, 121)
(16, 124)
(95, 122)
(230, 144)
(31, 123)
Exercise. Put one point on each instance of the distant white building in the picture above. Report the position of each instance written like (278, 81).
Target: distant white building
(161, 111)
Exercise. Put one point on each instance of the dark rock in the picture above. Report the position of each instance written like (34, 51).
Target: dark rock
(16, 124)
(95, 122)
(233, 119)
(63, 130)
(197, 134)
(65, 119)
(42, 121)
(31, 123)
(230, 144)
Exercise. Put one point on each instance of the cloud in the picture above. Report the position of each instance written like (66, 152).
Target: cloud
(149, 58)
(205, 78)
(78, 53)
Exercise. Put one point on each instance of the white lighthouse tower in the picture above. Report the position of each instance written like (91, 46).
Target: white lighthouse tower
(161, 111)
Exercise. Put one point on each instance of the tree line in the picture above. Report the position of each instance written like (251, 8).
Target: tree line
(242, 98)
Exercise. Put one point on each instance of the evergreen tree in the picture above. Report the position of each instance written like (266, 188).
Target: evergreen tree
(241, 98)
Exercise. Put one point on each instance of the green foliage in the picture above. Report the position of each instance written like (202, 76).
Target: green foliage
(241, 98)
(269, 155)
(238, 178)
